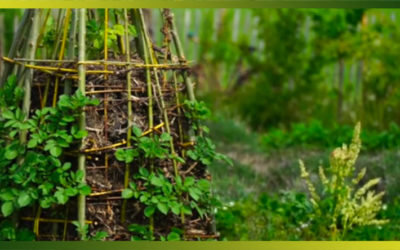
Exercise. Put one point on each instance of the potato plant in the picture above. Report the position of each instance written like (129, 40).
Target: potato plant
(37, 172)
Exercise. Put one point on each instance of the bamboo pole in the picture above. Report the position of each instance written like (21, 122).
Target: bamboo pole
(59, 32)
(54, 53)
(82, 118)
(182, 59)
(153, 59)
(28, 79)
(143, 51)
(121, 44)
(71, 48)
(130, 118)
(178, 104)
(61, 54)
(23, 28)
(43, 28)
(26, 104)
(106, 156)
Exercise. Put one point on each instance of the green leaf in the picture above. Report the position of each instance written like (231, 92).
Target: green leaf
(176, 208)
(178, 159)
(46, 187)
(7, 208)
(85, 190)
(13, 133)
(81, 134)
(61, 197)
(79, 176)
(8, 114)
(64, 101)
(32, 143)
(149, 211)
(11, 80)
(7, 196)
(137, 131)
(10, 123)
(24, 199)
(163, 208)
(96, 44)
(186, 210)
(189, 181)
(132, 30)
(120, 154)
(119, 29)
(71, 191)
(132, 185)
(192, 155)
(127, 193)
(156, 181)
(55, 151)
(165, 137)
(66, 166)
(143, 172)
(173, 236)
(143, 198)
(68, 118)
(130, 155)
(194, 193)
(205, 161)
(94, 102)
(11, 154)
(24, 126)
(204, 185)
(100, 235)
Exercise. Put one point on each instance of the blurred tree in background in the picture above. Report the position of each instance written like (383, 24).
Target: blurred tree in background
(272, 67)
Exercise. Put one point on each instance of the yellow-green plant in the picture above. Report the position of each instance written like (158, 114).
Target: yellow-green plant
(342, 204)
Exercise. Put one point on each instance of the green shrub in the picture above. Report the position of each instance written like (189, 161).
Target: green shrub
(266, 217)
(314, 134)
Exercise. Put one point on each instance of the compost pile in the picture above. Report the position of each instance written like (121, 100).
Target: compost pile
(158, 89)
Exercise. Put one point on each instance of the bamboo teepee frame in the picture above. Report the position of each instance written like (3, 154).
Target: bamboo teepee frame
(146, 84)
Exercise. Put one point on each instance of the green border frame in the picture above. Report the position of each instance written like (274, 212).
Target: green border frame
(232, 245)
(200, 3)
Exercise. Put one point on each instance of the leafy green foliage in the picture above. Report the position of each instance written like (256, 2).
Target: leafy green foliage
(266, 217)
(9, 233)
(155, 147)
(204, 151)
(140, 232)
(162, 194)
(196, 110)
(95, 35)
(33, 172)
(84, 232)
(314, 134)
(286, 216)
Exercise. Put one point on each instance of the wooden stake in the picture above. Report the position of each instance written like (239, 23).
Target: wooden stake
(82, 118)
